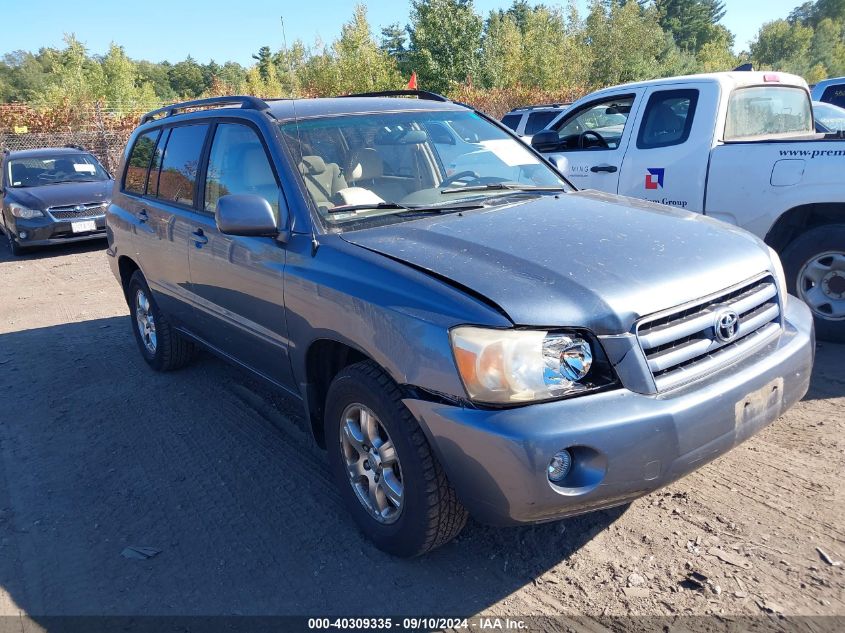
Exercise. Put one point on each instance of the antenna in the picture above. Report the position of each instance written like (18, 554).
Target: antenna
(290, 61)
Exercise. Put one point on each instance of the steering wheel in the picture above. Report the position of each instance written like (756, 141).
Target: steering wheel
(582, 139)
(451, 180)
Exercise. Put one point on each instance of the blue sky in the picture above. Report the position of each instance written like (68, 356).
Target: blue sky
(232, 30)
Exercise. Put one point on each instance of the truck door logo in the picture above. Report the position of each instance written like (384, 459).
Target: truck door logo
(654, 178)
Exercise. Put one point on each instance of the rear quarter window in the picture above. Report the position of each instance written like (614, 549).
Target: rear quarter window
(768, 111)
(538, 120)
(138, 165)
(512, 121)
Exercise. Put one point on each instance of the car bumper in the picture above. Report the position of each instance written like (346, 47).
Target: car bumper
(624, 444)
(46, 231)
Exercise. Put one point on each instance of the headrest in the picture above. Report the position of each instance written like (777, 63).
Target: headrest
(366, 163)
(312, 165)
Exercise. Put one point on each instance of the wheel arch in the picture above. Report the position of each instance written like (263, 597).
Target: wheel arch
(325, 358)
(126, 266)
(796, 220)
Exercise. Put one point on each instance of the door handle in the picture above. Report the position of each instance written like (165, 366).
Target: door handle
(143, 216)
(199, 238)
(610, 169)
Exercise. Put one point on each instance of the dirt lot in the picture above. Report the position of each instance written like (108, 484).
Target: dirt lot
(98, 453)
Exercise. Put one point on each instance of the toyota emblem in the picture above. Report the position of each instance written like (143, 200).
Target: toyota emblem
(726, 325)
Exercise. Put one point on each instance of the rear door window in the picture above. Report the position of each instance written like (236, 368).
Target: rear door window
(178, 177)
(538, 120)
(668, 118)
(138, 165)
(768, 111)
(835, 95)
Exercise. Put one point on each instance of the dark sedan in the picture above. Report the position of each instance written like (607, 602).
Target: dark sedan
(52, 196)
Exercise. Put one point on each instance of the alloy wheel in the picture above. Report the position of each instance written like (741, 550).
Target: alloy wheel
(145, 320)
(371, 463)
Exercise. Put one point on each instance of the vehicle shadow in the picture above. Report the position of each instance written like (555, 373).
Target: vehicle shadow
(46, 252)
(218, 474)
(828, 379)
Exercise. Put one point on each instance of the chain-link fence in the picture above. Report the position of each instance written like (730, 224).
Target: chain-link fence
(97, 129)
(107, 145)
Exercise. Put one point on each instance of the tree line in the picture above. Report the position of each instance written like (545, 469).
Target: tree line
(527, 50)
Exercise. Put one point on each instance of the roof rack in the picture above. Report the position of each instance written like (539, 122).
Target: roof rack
(421, 94)
(245, 101)
(543, 105)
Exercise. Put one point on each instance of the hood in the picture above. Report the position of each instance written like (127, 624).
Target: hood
(63, 194)
(584, 259)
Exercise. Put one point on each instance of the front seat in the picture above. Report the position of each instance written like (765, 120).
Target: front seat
(366, 169)
(323, 180)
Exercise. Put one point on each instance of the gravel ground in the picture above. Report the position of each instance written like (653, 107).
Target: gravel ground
(98, 453)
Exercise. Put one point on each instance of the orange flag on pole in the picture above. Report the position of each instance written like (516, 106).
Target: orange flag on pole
(412, 82)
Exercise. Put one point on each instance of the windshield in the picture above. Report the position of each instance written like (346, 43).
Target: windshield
(53, 170)
(831, 116)
(395, 163)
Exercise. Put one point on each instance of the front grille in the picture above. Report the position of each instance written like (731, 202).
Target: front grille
(78, 211)
(682, 345)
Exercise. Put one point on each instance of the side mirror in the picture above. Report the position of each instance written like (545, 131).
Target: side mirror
(545, 141)
(248, 215)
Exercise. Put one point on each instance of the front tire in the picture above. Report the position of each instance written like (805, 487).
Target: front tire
(389, 477)
(160, 345)
(815, 272)
(16, 249)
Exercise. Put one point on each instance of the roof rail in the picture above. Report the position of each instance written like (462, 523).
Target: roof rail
(79, 147)
(421, 94)
(245, 101)
(544, 105)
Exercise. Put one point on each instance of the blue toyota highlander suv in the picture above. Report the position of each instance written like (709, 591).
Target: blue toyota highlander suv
(482, 341)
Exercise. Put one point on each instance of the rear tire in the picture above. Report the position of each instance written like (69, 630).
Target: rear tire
(160, 345)
(428, 513)
(814, 263)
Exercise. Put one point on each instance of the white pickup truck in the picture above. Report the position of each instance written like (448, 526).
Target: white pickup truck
(736, 146)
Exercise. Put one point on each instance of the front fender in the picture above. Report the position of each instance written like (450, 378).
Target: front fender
(398, 316)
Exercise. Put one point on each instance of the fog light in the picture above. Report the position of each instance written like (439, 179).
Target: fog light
(22, 235)
(559, 467)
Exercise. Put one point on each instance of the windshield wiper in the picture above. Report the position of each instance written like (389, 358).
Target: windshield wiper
(367, 207)
(500, 186)
(450, 208)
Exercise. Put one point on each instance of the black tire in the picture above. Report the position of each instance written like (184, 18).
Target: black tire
(171, 350)
(802, 250)
(431, 514)
(16, 249)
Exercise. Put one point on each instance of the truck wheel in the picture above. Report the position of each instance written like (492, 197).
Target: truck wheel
(160, 345)
(815, 271)
(386, 471)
